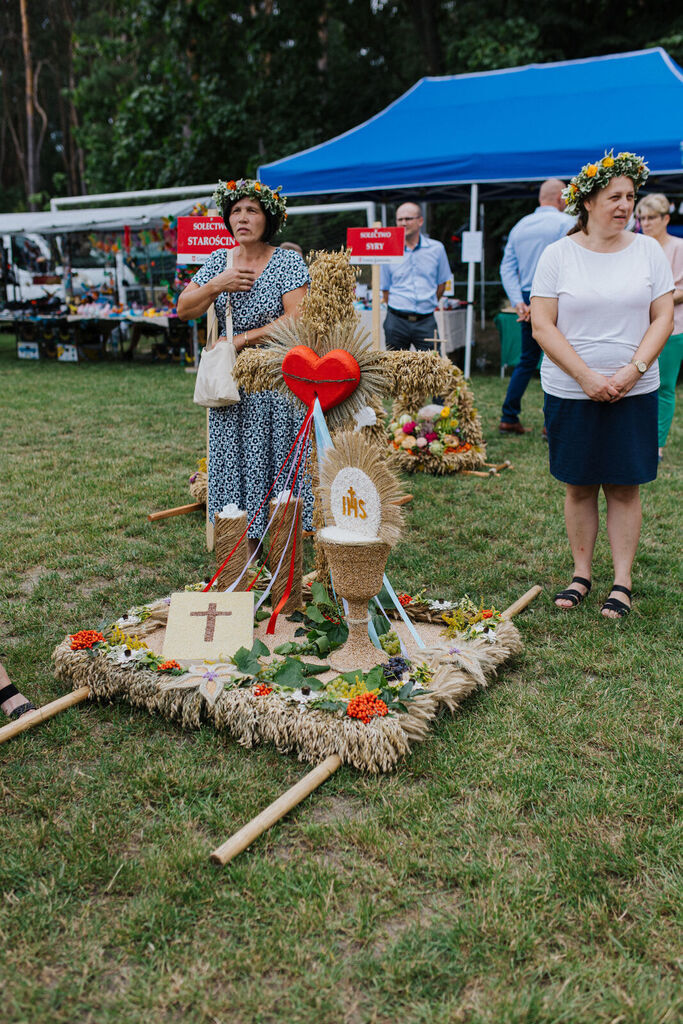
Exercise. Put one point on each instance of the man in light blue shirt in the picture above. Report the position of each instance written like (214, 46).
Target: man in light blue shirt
(525, 243)
(413, 287)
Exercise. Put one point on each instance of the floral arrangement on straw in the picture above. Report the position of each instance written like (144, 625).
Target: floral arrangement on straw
(289, 696)
(435, 431)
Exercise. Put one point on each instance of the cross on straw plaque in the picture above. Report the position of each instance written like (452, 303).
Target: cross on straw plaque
(208, 626)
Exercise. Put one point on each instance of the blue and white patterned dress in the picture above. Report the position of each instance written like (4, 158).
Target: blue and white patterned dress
(248, 442)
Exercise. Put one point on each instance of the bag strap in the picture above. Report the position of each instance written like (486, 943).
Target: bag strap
(212, 319)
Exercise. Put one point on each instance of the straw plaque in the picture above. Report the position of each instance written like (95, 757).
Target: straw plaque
(208, 626)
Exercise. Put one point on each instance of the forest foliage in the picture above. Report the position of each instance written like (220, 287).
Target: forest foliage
(118, 94)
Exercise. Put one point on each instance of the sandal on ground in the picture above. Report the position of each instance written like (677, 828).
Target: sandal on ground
(573, 595)
(22, 709)
(613, 604)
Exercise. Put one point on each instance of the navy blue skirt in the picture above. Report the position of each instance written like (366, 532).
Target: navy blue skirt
(602, 442)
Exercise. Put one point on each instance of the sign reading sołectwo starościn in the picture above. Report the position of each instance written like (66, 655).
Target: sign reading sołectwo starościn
(208, 627)
(199, 236)
(375, 245)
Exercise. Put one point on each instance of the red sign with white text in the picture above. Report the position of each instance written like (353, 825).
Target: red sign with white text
(199, 236)
(375, 245)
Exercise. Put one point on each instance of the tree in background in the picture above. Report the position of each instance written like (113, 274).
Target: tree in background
(144, 93)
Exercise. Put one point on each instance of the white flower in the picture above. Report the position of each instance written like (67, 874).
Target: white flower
(365, 417)
(429, 412)
(127, 656)
(231, 511)
(127, 620)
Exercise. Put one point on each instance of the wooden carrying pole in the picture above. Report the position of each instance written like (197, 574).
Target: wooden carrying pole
(32, 718)
(242, 839)
(521, 602)
(179, 511)
(262, 822)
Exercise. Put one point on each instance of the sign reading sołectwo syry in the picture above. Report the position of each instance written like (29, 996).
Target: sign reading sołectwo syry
(375, 245)
(208, 626)
(199, 236)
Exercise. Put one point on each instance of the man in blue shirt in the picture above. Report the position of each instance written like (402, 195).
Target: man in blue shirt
(525, 243)
(413, 287)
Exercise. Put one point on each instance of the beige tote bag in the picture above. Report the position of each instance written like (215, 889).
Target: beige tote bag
(215, 385)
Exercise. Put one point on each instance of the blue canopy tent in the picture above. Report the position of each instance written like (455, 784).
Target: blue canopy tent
(498, 131)
(498, 127)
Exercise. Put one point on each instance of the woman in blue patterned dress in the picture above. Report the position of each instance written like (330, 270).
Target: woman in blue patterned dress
(248, 442)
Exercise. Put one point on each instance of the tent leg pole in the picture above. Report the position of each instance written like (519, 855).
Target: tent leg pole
(471, 270)
(482, 268)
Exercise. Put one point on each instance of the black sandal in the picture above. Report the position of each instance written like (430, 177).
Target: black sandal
(570, 594)
(613, 604)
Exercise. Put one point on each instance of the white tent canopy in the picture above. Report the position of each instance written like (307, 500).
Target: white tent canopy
(112, 218)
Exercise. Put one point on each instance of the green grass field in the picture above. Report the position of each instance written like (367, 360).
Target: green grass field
(521, 866)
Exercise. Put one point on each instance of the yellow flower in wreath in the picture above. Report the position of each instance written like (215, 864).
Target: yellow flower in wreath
(445, 412)
(591, 170)
(607, 161)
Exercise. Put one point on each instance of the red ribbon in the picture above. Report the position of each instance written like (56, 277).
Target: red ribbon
(304, 445)
(304, 425)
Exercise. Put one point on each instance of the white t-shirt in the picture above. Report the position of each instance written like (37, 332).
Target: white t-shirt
(603, 306)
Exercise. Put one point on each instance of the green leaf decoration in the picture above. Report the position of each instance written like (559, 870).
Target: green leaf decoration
(287, 648)
(328, 705)
(314, 614)
(246, 661)
(309, 669)
(406, 690)
(259, 649)
(313, 683)
(375, 680)
(320, 595)
(290, 674)
(322, 645)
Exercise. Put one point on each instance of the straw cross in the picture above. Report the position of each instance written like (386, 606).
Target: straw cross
(211, 616)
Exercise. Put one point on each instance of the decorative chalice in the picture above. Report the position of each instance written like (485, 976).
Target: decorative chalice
(359, 496)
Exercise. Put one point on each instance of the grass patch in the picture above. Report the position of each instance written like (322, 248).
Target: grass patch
(520, 867)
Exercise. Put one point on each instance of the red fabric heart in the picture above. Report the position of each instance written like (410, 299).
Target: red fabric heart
(332, 378)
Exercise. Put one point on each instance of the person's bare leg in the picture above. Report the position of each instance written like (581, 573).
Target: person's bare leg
(253, 543)
(581, 520)
(16, 700)
(624, 518)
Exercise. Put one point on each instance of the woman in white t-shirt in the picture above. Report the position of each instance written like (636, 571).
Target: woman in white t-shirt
(602, 310)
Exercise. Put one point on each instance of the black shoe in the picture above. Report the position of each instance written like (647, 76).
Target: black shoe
(570, 594)
(613, 604)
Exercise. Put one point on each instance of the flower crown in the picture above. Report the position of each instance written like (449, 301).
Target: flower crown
(270, 199)
(597, 175)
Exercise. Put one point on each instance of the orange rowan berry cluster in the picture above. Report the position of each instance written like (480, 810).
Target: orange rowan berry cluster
(405, 599)
(85, 639)
(366, 706)
(166, 666)
(262, 690)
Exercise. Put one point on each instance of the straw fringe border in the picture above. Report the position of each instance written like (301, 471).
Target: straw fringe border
(311, 734)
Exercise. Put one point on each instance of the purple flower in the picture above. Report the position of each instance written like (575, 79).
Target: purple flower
(454, 650)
